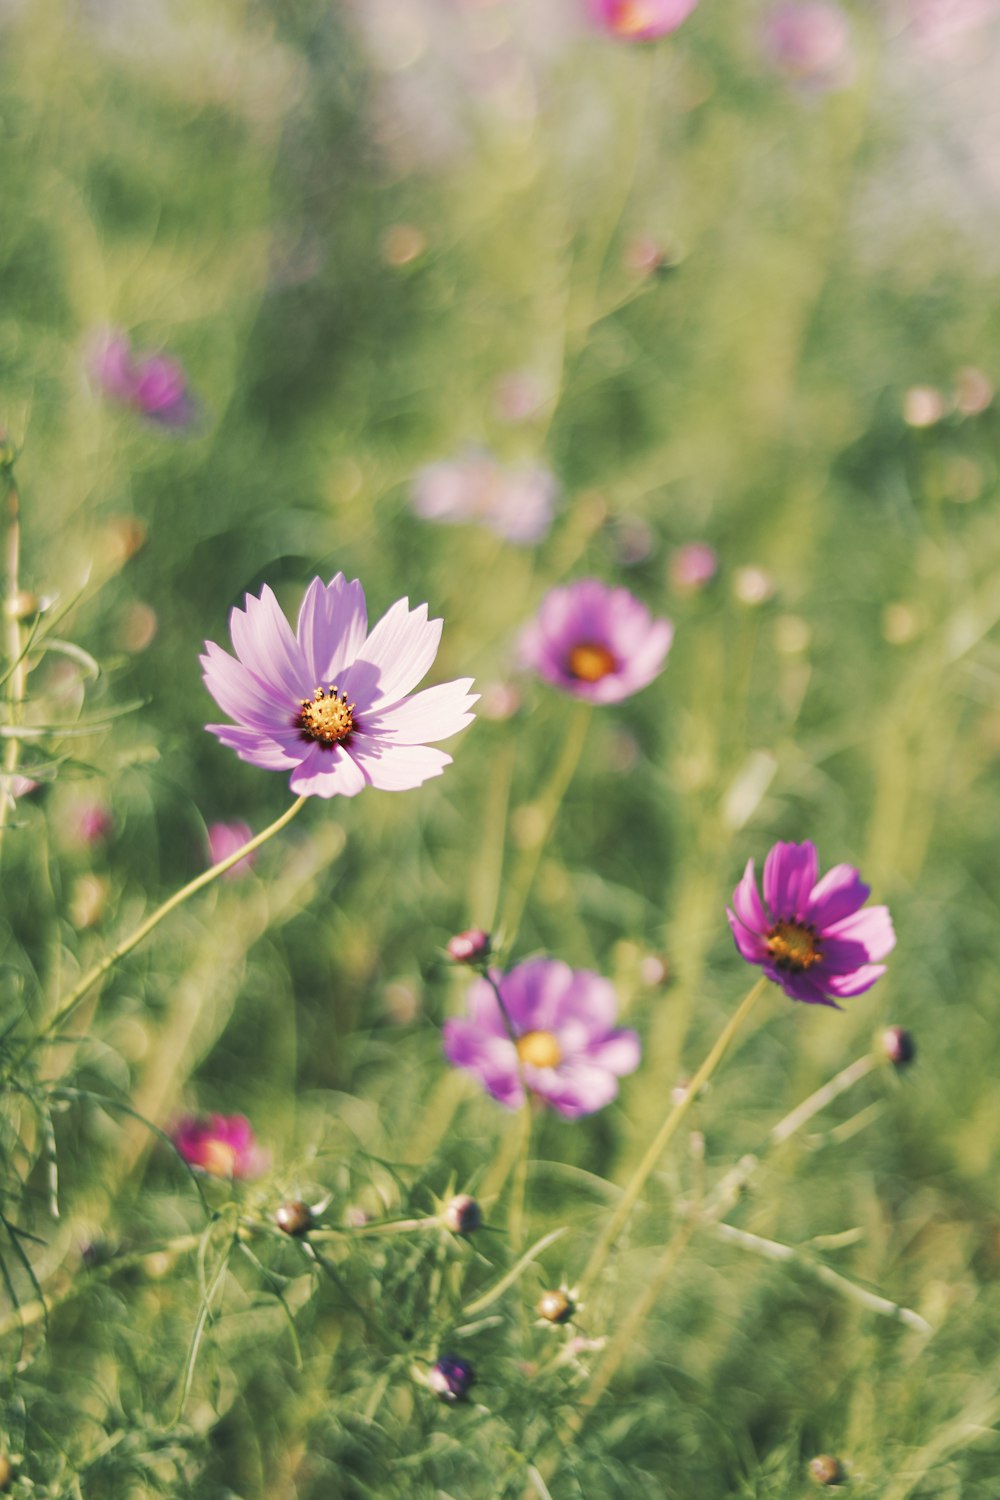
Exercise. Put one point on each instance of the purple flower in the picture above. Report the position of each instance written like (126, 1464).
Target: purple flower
(641, 20)
(566, 1051)
(151, 383)
(223, 840)
(329, 703)
(598, 643)
(808, 935)
(517, 504)
(220, 1145)
(451, 1378)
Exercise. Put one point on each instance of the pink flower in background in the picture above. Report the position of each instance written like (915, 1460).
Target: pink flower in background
(517, 504)
(640, 20)
(223, 840)
(330, 703)
(598, 643)
(811, 936)
(220, 1145)
(693, 566)
(809, 40)
(91, 822)
(945, 29)
(566, 1049)
(150, 383)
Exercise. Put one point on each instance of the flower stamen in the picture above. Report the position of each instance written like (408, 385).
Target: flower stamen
(590, 661)
(632, 16)
(539, 1049)
(326, 718)
(794, 946)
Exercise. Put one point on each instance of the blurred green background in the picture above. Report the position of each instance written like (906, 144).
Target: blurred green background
(718, 303)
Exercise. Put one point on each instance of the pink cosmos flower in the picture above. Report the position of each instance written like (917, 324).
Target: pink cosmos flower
(693, 566)
(329, 703)
(598, 643)
(566, 1051)
(151, 383)
(220, 1145)
(517, 504)
(810, 936)
(809, 40)
(640, 20)
(223, 840)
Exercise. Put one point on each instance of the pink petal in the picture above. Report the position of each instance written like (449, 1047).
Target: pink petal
(434, 714)
(871, 928)
(397, 768)
(619, 1053)
(578, 1089)
(590, 1000)
(789, 876)
(327, 773)
(840, 893)
(397, 653)
(845, 985)
(751, 947)
(747, 902)
(260, 750)
(535, 992)
(331, 627)
(241, 695)
(266, 646)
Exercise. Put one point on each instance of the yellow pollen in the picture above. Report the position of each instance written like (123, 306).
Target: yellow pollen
(794, 946)
(539, 1049)
(326, 718)
(631, 17)
(219, 1159)
(589, 662)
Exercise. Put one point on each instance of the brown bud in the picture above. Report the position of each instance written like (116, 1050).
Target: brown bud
(556, 1307)
(825, 1469)
(294, 1217)
(898, 1046)
(462, 1215)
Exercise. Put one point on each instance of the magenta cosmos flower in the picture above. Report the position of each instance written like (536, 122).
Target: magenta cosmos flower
(152, 383)
(598, 643)
(641, 20)
(220, 1145)
(811, 936)
(329, 702)
(567, 1050)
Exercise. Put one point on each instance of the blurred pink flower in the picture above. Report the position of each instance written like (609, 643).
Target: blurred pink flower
(693, 566)
(150, 383)
(219, 1145)
(595, 642)
(91, 822)
(809, 41)
(945, 28)
(640, 20)
(223, 840)
(517, 504)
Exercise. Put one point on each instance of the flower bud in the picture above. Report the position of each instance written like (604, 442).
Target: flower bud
(451, 1378)
(462, 1215)
(825, 1469)
(898, 1046)
(556, 1307)
(469, 947)
(21, 605)
(294, 1217)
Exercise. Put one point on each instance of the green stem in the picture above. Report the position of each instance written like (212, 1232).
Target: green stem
(93, 975)
(804, 1112)
(663, 1136)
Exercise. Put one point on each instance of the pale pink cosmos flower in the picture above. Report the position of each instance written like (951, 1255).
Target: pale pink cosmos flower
(151, 383)
(598, 643)
(517, 503)
(223, 840)
(640, 20)
(219, 1145)
(693, 566)
(329, 702)
(810, 41)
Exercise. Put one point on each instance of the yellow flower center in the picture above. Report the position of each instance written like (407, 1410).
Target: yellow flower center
(219, 1159)
(794, 946)
(589, 662)
(631, 17)
(539, 1049)
(326, 718)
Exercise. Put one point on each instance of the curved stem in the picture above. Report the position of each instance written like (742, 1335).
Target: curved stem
(658, 1144)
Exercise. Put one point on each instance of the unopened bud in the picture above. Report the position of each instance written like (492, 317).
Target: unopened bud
(556, 1307)
(469, 947)
(294, 1217)
(451, 1378)
(21, 605)
(825, 1469)
(462, 1215)
(898, 1046)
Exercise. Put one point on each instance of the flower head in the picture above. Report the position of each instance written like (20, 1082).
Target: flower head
(220, 1145)
(693, 567)
(223, 840)
(809, 41)
(809, 935)
(151, 383)
(566, 1049)
(517, 503)
(640, 20)
(328, 702)
(598, 643)
(451, 1378)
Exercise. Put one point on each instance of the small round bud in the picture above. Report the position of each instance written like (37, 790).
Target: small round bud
(825, 1469)
(451, 1378)
(294, 1217)
(21, 605)
(898, 1046)
(556, 1307)
(462, 1215)
(469, 947)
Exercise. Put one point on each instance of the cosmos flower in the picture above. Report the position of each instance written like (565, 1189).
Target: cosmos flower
(640, 20)
(567, 1051)
(516, 503)
(811, 936)
(329, 703)
(809, 41)
(693, 566)
(219, 1145)
(223, 840)
(151, 383)
(598, 643)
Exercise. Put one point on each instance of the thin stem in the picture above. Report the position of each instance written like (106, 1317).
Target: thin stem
(546, 808)
(515, 1214)
(144, 928)
(838, 1085)
(663, 1136)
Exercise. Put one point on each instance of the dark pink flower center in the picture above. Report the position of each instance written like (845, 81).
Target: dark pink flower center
(326, 718)
(590, 661)
(794, 946)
